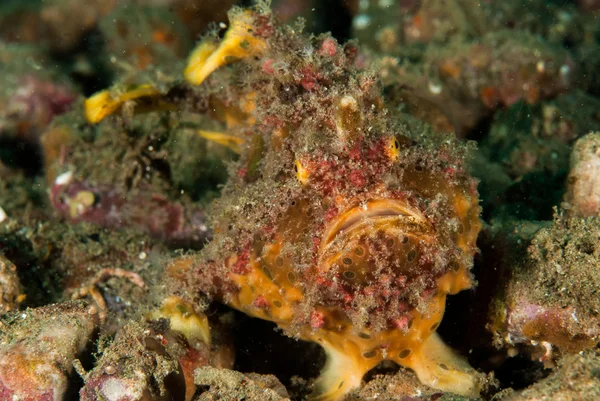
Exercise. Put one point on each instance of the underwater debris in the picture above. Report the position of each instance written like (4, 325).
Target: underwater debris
(157, 357)
(38, 347)
(526, 140)
(401, 26)
(576, 378)
(104, 275)
(146, 211)
(51, 23)
(136, 366)
(21, 196)
(33, 94)
(400, 386)
(589, 5)
(451, 64)
(548, 301)
(229, 385)
(168, 38)
(11, 291)
(146, 187)
(523, 160)
(456, 85)
(55, 261)
(32, 106)
(439, 21)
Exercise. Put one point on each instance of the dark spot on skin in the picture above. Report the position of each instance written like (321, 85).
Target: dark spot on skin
(364, 335)
(347, 261)
(359, 250)
(404, 353)
(443, 366)
(411, 255)
(434, 326)
(279, 261)
(370, 354)
(405, 240)
(350, 275)
(390, 242)
(277, 304)
(291, 277)
(410, 323)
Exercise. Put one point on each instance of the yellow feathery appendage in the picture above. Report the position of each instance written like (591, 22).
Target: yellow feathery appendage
(232, 142)
(104, 103)
(239, 42)
(197, 61)
(98, 106)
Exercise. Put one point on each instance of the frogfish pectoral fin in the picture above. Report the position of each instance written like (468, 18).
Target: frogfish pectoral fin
(438, 366)
(343, 371)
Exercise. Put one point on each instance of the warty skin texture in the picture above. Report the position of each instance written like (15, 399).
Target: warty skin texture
(338, 222)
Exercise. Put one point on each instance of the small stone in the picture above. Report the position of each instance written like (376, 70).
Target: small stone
(3, 215)
(583, 182)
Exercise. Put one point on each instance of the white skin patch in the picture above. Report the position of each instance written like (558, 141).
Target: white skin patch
(64, 178)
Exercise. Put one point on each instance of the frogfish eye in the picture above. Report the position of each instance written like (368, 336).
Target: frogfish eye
(392, 148)
(301, 172)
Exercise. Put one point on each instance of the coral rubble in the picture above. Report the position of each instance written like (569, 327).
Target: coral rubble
(38, 347)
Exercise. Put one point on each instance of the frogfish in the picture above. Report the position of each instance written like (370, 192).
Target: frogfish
(342, 222)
